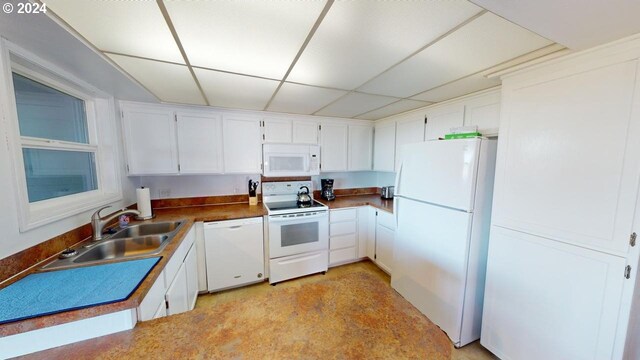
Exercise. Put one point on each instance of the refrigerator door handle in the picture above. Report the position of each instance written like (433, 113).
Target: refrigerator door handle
(397, 191)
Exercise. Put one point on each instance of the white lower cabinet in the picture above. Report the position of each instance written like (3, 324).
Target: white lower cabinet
(545, 299)
(343, 236)
(234, 252)
(176, 296)
(357, 233)
(176, 288)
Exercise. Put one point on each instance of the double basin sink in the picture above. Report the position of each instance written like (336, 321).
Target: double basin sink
(133, 241)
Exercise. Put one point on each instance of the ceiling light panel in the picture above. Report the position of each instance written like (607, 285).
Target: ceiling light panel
(355, 104)
(127, 27)
(485, 42)
(303, 99)
(259, 38)
(457, 88)
(393, 109)
(359, 39)
(169, 82)
(235, 91)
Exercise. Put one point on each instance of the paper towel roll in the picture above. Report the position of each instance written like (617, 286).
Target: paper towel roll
(144, 202)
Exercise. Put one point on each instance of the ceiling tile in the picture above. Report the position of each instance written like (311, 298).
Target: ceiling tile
(303, 99)
(169, 82)
(359, 39)
(393, 109)
(485, 42)
(355, 104)
(235, 91)
(457, 88)
(127, 27)
(250, 37)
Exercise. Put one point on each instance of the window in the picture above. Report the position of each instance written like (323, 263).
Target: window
(58, 158)
(61, 132)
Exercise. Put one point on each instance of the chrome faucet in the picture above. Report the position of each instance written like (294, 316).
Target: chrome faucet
(97, 223)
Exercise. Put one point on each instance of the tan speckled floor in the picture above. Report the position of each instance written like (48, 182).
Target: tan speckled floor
(350, 313)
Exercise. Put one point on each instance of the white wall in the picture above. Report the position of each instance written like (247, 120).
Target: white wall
(166, 187)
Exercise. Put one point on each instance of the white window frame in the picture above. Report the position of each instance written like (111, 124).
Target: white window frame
(100, 117)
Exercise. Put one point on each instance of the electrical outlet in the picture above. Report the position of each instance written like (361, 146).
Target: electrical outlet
(164, 193)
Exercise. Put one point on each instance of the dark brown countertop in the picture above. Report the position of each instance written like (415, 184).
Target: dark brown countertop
(190, 215)
(347, 201)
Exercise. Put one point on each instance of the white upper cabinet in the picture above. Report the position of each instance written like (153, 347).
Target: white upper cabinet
(200, 143)
(440, 120)
(484, 112)
(569, 160)
(409, 129)
(360, 147)
(333, 147)
(277, 130)
(384, 147)
(305, 132)
(150, 140)
(242, 144)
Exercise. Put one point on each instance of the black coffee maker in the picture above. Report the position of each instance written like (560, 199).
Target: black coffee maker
(327, 189)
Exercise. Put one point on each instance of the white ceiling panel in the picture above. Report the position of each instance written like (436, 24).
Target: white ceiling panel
(393, 109)
(577, 24)
(235, 91)
(457, 88)
(359, 39)
(355, 104)
(127, 27)
(259, 38)
(485, 42)
(169, 82)
(303, 99)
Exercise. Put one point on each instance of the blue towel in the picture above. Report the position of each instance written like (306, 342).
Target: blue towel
(52, 292)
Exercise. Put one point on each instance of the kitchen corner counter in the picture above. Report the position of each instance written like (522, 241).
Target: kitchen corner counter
(347, 201)
(189, 215)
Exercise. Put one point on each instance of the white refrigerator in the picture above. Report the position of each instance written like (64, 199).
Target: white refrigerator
(443, 213)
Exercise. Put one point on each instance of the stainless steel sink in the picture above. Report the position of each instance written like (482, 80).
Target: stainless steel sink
(135, 241)
(147, 229)
(122, 248)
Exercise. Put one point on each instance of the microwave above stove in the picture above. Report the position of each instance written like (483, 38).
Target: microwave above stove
(290, 160)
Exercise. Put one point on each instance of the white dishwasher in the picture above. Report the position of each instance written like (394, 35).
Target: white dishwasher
(234, 253)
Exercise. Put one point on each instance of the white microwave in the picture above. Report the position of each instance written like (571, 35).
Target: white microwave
(290, 160)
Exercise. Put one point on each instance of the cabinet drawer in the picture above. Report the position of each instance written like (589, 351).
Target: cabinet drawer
(338, 256)
(342, 241)
(342, 228)
(343, 215)
(386, 219)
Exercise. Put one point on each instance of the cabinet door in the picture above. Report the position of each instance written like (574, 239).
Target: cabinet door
(277, 131)
(569, 160)
(551, 300)
(191, 268)
(360, 147)
(384, 247)
(384, 147)
(305, 132)
(333, 147)
(150, 139)
(242, 145)
(177, 293)
(200, 143)
(484, 112)
(441, 120)
(408, 131)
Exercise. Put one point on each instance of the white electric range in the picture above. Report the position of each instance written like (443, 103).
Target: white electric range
(298, 234)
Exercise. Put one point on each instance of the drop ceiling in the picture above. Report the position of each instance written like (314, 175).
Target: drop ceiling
(352, 59)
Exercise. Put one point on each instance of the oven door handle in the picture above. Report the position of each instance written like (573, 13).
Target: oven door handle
(285, 218)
